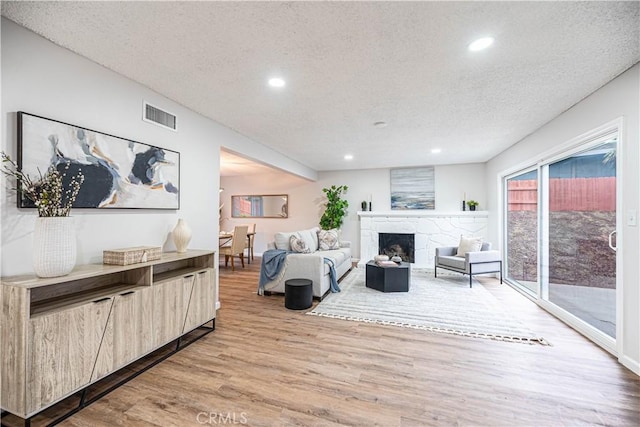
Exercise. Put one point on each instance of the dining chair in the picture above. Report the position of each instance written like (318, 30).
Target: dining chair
(249, 242)
(236, 247)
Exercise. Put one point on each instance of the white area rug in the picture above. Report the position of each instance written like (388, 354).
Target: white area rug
(444, 304)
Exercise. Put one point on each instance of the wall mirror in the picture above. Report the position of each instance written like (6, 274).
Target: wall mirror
(260, 206)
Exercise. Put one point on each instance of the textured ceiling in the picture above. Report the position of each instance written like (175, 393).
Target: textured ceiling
(350, 64)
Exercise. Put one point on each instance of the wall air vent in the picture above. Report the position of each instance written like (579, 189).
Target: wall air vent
(159, 117)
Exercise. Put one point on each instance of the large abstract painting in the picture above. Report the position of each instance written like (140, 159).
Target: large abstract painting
(119, 173)
(413, 188)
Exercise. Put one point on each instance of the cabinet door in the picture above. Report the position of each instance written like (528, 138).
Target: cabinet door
(128, 334)
(202, 302)
(170, 301)
(63, 349)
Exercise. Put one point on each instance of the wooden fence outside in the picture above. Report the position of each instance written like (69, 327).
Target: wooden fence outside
(566, 194)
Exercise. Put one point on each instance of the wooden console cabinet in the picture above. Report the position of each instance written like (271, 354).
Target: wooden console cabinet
(61, 334)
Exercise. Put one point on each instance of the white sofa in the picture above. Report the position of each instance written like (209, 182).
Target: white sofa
(309, 265)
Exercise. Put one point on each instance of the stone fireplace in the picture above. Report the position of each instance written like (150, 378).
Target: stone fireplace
(430, 229)
(401, 244)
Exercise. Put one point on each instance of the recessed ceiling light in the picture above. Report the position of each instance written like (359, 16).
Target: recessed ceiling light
(481, 44)
(380, 124)
(348, 156)
(436, 150)
(276, 82)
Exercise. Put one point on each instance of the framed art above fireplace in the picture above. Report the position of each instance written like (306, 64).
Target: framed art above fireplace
(118, 172)
(413, 188)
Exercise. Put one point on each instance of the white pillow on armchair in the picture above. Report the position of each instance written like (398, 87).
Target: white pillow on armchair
(469, 244)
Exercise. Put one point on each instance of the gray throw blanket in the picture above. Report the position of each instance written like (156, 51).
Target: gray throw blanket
(333, 280)
(272, 262)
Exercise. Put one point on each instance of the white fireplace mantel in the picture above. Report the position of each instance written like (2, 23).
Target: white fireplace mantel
(432, 229)
(425, 213)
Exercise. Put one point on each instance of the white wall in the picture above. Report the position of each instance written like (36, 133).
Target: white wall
(619, 98)
(274, 183)
(41, 78)
(306, 198)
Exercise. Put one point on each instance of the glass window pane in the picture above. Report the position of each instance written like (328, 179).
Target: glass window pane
(582, 216)
(522, 230)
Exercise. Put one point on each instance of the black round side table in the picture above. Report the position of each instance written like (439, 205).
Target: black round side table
(298, 294)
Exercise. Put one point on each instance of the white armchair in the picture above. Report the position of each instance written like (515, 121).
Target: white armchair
(483, 261)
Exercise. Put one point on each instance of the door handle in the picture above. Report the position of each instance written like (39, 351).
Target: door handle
(615, 248)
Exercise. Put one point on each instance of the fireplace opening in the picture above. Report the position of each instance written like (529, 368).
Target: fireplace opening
(400, 244)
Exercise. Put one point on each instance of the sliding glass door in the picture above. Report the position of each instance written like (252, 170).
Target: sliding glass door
(560, 233)
(581, 217)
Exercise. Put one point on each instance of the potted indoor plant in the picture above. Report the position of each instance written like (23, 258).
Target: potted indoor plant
(54, 235)
(336, 207)
(472, 205)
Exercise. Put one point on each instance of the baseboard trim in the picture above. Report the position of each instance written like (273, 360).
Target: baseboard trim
(628, 362)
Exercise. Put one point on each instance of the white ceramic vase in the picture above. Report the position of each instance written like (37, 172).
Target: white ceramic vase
(181, 236)
(54, 246)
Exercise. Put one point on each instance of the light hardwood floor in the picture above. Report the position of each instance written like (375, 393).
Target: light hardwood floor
(269, 366)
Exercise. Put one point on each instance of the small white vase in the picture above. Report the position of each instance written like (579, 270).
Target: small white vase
(181, 236)
(54, 246)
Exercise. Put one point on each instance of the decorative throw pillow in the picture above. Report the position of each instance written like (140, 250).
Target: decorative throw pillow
(469, 244)
(310, 238)
(298, 245)
(282, 241)
(328, 239)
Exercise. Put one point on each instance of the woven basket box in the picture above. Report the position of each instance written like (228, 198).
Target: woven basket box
(134, 255)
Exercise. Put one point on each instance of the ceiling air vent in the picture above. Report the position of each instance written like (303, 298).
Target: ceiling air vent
(159, 117)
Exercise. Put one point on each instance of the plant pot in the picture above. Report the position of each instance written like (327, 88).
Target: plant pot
(363, 205)
(181, 236)
(54, 246)
(472, 208)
